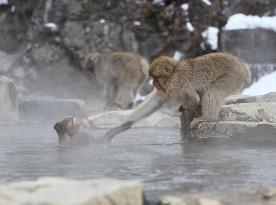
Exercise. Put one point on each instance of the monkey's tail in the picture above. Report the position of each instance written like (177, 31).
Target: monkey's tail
(144, 66)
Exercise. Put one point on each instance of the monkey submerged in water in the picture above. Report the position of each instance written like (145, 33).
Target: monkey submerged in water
(199, 85)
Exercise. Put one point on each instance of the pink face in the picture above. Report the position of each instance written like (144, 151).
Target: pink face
(160, 70)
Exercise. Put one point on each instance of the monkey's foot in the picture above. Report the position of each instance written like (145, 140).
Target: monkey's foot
(197, 121)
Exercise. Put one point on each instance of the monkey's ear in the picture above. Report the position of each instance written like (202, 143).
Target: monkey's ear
(90, 60)
(169, 68)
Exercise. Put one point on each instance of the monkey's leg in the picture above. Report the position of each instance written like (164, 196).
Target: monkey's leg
(125, 97)
(187, 115)
(211, 102)
(110, 93)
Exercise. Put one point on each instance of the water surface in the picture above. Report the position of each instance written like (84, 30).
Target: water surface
(155, 157)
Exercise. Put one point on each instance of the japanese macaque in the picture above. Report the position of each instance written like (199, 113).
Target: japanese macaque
(122, 75)
(69, 127)
(199, 85)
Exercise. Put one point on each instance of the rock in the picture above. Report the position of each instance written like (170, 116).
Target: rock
(269, 97)
(58, 191)
(47, 108)
(256, 196)
(114, 118)
(250, 112)
(240, 130)
(8, 101)
(235, 99)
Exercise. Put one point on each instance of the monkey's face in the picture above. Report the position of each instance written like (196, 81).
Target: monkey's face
(63, 129)
(161, 70)
(69, 127)
(89, 63)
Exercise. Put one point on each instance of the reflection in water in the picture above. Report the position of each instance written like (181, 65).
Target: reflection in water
(158, 158)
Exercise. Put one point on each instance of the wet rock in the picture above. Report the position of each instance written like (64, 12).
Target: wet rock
(257, 196)
(48, 108)
(240, 130)
(58, 191)
(8, 101)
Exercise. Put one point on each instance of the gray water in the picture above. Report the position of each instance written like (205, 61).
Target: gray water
(155, 157)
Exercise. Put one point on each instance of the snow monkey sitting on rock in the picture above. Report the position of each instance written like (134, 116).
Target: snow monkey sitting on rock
(199, 85)
(122, 75)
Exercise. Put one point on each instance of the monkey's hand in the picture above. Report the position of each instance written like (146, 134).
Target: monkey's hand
(116, 130)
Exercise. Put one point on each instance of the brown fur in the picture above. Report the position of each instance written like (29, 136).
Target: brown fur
(121, 73)
(199, 85)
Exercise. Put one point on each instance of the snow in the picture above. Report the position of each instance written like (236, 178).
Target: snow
(5, 2)
(13, 9)
(241, 21)
(207, 2)
(264, 85)
(211, 34)
(102, 20)
(51, 26)
(139, 98)
(137, 23)
(158, 2)
(177, 55)
(190, 26)
(48, 7)
(185, 7)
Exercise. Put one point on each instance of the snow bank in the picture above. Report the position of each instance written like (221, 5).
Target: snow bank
(4, 2)
(264, 85)
(211, 34)
(241, 21)
(207, 2)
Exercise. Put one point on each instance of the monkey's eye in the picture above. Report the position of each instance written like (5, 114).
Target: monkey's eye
(56, 127)
(167, 69)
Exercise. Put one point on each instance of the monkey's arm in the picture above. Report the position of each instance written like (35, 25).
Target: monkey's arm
(152, 103)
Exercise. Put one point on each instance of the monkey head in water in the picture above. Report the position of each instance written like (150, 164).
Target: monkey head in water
(69, 127)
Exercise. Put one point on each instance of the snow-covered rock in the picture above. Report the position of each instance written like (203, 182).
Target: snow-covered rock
(241, 21)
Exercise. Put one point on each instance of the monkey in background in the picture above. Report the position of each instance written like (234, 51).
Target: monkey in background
(122, 75)
(199, 85)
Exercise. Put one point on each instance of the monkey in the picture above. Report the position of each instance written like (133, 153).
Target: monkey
(199, 85)
(70, 126)
(121, 73)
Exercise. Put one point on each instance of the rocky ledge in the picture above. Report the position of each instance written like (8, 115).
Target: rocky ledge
(255, 196)
(58, 191)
